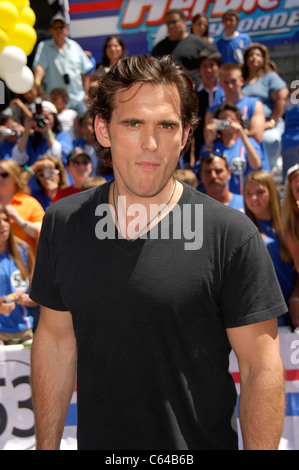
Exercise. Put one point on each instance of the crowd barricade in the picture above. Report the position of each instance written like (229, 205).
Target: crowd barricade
(17, 420)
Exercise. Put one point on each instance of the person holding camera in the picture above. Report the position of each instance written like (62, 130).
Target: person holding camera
(226, 134)
(61, 62)
(42, 135)
(16, 265)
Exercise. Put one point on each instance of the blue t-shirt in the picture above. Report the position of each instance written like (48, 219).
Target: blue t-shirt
(247, 105)
(236, 157)
(232, 49)
(6, 149)
(290, 138)
(263, 88)
(286, 273)
(237, 203)
(10, 281)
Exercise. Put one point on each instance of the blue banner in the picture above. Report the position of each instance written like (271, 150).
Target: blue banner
(140, 23)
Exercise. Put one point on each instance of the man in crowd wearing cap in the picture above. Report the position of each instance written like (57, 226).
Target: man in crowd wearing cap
(61, 62)
(80, 168)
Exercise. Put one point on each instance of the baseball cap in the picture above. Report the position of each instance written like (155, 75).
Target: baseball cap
(49, 107)
(75, 153)
(58, 17)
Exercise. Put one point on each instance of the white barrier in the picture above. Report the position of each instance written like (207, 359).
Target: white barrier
(16, 416)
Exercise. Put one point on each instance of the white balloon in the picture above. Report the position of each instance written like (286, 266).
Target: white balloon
(20, 82)
(12, 59)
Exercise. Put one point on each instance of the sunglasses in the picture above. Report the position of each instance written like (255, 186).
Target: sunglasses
(47, 173)
(58, 28)
(172, 22)
(85, 163)
(4, 175)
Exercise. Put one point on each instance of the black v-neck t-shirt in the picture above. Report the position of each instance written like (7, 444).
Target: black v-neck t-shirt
(150, 319)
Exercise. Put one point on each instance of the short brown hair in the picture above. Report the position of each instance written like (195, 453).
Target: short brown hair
(144, 69)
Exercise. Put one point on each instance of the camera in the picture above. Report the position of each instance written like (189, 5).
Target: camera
(38, 115)
(222, 124)
(10, 298)
(66, 78)
(7, 132)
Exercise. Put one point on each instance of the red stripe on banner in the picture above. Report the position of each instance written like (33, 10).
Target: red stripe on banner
(95, 6)
(290, 375)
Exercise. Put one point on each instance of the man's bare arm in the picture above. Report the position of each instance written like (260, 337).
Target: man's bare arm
(53, 374)
(262, 399)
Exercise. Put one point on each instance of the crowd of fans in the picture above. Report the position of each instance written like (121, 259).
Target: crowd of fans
(246, 124)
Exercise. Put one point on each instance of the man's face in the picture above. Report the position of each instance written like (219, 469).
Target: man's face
(231, 83)
(230, 23)
(214, 175)
(176, 26)
(80, 168)
(146, 137)
(59, 30)
(208, 71)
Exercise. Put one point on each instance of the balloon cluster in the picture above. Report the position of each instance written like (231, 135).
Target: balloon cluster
(17, 40)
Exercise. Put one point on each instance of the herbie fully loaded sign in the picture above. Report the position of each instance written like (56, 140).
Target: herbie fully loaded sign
(140, 23)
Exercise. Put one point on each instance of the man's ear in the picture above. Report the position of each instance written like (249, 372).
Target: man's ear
(101, 132)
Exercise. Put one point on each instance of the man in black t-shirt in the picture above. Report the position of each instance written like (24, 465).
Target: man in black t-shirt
(146, 285)
(185, 47)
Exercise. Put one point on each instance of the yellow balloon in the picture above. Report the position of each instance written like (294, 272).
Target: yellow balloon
(18, 3)
(8, 15)
(3, 39)
(27, 16)
(23, 36)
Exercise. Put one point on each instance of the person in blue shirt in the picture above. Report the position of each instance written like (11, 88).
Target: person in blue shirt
(215, 175)
(242, 152)
(61, 62)
(10, 132)
(262, 205)
(232, 45)
(38, 140)
(251, 108)
(16, 266)
(260, 81)
(290, 137)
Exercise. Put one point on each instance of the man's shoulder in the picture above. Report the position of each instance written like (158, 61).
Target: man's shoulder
(163, 45)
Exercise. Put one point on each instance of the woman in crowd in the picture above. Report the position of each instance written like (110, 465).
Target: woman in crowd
(42, 135)
(50, 176)
(260, 81)
(262, 205)
(113, 50)
(200, 27)
(16, 266)
(291, 214)
(25, 211)
(242, 153)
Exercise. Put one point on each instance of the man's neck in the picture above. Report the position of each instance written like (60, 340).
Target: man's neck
(235, 98)
(224, 196)
(60, 43)
(210, 85)
(231, 34)
(184, 36)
